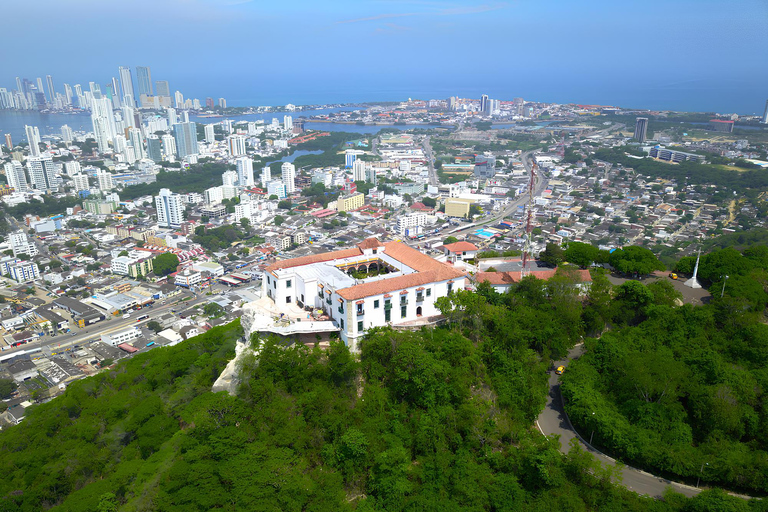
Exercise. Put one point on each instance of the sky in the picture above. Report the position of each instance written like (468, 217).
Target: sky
(673, 54)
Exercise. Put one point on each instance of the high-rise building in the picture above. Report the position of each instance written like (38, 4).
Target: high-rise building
(8, 141)
(72, 167)
(210, 136)
(169, 146)
(641, 129)
(179, 99)
(350, 156)
(51, 92)
(288, 123)
(452, 103)
(185, 116)
(126, 85)
(236, 145)
(104, 129)
(172, 117)
(358, 170)
(154, 148)
(222, 103)
(170, 209)
(66, 134)
(143, 81)
(42, 172)
(17, 178)
(117, 101)
(229, 178)
(137, 141)
(162, 89)
(186, 139)
(104, 179)
(244, 171)
(483, 103)
(765, 113)
(68, 94)
(20, 244)
(289, 177)
(33, 138)
(80, 181)
(209, 102)
(266, 176)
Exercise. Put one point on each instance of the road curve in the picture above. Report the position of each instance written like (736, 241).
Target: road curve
(553, 421)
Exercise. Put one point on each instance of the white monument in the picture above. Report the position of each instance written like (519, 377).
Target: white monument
(693, 282)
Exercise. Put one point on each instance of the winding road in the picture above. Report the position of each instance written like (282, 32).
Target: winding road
(553, 421)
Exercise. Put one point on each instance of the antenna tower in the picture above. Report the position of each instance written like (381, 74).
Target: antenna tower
(529, 223)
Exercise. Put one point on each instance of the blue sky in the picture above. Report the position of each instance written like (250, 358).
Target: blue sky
(690, 54)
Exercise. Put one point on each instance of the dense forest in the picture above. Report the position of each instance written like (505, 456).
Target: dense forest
(681, 391)
(439, 419)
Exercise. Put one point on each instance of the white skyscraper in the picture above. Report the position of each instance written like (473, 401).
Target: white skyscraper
(289, 177)
(72, 168)
(172, 117)
(185, 116)
(170, 209)
(126, 84)
(266, 176)
(119, 143)
(229, 178)
(210, 137)
(41, 171)
(105, 180)
(68, 94)
(80, 181)
(137, 141)
(288, 123)
(179, 98)
(66, 134)
(17, 178)
(33, 138)
(169, 145)
(245, 172)
(20, 244)
(129, 116)
(236, 144)
(358, 170)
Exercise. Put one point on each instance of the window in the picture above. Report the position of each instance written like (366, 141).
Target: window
(302, 297)
(376, 304)
(387, 315)
(269, 281)
(288, 283)
(288, 299)
(403, 311)
(274, 284)
(450, 287)
(359, 326)
(429, 292)
(341, 322)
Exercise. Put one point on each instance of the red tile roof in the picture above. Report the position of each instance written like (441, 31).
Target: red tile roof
(461, 247)
(502, 278)
(314, 258)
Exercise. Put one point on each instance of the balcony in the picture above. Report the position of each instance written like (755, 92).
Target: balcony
(341, 310)
(419, 298)
(387, 306)
(403, 302)
(328, 301)
(360, 312)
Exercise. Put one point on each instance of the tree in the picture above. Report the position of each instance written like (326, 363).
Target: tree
(123, 253)
(284, 204)
(273, 197)
(635, 260)
(553, 255)
(7, 387)
(279, 219)
(450, 240)
(581, 254)
(154, 325)
(245, 223)
(165, 264)
(213, 310)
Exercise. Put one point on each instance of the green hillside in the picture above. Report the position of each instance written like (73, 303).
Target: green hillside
(437, 420)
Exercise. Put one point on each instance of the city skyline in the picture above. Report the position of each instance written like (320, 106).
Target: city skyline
(561, 53)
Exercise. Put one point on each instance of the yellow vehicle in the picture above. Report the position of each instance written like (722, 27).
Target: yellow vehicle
(560, 370)
(673, 276)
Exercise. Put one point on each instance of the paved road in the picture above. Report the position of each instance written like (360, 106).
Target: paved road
(94, 332)
(431, 162)
(554, 422)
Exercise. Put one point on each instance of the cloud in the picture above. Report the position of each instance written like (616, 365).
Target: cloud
(443, 11)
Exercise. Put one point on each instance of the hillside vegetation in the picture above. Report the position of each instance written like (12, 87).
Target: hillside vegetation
(437, 420)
